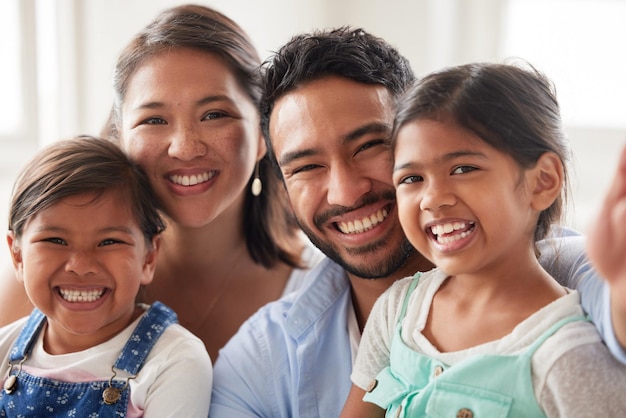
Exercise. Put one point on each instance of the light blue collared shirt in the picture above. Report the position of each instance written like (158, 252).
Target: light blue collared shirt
(565, 259)
(292, 358)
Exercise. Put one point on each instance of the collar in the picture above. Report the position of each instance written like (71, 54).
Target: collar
(327, 283)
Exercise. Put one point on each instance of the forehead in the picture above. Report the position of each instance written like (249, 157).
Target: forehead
(424, 142)
(180, 72)
(326, 111)
(87, 212)
(430, 137)
(118, 197)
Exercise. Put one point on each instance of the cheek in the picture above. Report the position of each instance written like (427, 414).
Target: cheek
(37, 265)
(129, 144)
(408, 213)
(304, 198)
(236, 142)
(139, 149)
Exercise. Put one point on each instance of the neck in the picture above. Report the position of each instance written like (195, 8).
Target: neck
(506, 283)
(366, 291)
(194, 253)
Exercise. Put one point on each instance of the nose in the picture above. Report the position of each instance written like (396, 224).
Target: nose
(82, 263)
(186, 143)
(436, 194)
(346, 185)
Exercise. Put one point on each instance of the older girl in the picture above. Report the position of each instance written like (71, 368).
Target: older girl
(480, 173)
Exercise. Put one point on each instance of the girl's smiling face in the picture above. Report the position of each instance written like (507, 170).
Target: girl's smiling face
(82, 261)
(462, 203)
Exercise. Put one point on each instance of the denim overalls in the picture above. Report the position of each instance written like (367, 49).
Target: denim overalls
(490, 386)
(37, 396)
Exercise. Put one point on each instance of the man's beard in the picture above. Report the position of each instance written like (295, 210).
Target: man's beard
(379, 269)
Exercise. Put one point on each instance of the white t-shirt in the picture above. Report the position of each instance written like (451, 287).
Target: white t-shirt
(574, 375)
(175, 380)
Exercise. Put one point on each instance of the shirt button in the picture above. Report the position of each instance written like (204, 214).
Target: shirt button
(372, 385)
(438, 370)
(464, 413)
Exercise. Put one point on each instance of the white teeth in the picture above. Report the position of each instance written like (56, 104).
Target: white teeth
(452, 238)
(439, 230)
(362, 225)
(73, 295)
(193, 179)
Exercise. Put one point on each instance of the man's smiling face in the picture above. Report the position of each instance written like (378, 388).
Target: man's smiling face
(331, 140)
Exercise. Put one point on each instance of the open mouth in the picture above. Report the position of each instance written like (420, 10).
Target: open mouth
(81, 296)
(365, 224)
(193, 179)
(450, 232)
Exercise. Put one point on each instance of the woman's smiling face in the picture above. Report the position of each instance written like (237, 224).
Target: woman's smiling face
(188, 122)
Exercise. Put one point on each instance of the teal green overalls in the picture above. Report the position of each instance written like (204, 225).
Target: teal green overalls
(489, 386)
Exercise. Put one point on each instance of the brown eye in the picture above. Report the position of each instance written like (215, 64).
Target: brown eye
(154, 121)
(463, 169)
(411, 179)
(214, 115)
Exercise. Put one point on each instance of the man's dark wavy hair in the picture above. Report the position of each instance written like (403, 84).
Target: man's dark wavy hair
(345, 52)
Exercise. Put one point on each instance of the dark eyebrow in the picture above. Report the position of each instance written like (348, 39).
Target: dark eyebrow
(370, 128)
(292, 156)
(216, 98)
(58, 229)
(202, 101)
(444, 158)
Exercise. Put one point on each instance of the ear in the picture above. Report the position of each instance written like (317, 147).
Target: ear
(16, 256)
(546, 179)
(262, 148)
(149, 265)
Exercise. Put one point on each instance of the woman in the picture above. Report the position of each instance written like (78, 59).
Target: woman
(186, 109)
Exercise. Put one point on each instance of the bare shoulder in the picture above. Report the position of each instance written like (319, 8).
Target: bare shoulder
(14, 303)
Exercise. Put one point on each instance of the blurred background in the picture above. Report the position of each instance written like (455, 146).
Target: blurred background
(57, 58)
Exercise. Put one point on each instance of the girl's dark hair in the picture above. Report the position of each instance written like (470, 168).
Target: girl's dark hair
(79, 166)
(511, 107)
(268, 223)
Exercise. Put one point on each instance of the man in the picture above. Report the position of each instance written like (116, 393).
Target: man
(327, 115)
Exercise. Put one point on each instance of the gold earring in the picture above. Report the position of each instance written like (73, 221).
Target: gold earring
(257, 186)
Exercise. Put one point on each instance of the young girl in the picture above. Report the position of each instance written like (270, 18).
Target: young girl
(479, 173)
(83, 235)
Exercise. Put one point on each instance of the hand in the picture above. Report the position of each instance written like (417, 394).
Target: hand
(607, 236)
(606, 247)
